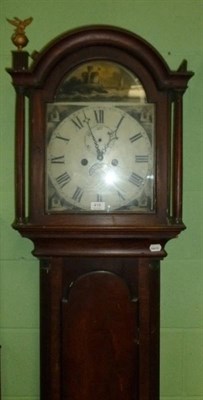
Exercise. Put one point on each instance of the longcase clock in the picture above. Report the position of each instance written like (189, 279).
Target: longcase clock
(99, 192)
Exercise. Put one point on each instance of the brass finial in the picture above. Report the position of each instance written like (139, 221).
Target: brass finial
(19, 38)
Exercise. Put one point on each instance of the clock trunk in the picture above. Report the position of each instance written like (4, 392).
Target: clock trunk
(100, 342)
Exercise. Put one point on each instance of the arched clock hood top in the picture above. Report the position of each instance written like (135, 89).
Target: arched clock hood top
(72, 41)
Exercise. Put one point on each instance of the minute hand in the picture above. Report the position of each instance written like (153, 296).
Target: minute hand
(99, 152)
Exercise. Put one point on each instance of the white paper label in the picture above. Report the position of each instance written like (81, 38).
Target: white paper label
(155, 247)
(97, 205)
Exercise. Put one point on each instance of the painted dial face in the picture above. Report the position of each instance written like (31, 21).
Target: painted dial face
(99, 158)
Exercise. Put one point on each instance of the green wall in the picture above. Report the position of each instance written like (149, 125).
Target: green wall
(175, 28)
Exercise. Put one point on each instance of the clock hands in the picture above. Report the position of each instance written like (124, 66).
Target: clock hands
(99, 152)
(112, 136)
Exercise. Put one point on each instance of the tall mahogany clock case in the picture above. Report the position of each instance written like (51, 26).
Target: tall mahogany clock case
(98, 183)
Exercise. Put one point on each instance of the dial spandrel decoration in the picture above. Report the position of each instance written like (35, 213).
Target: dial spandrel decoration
(100, 143)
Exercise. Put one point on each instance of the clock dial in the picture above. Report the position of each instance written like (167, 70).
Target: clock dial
(99, 158)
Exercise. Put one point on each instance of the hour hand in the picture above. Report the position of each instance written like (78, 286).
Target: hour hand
(113, 133)
(112, 137)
